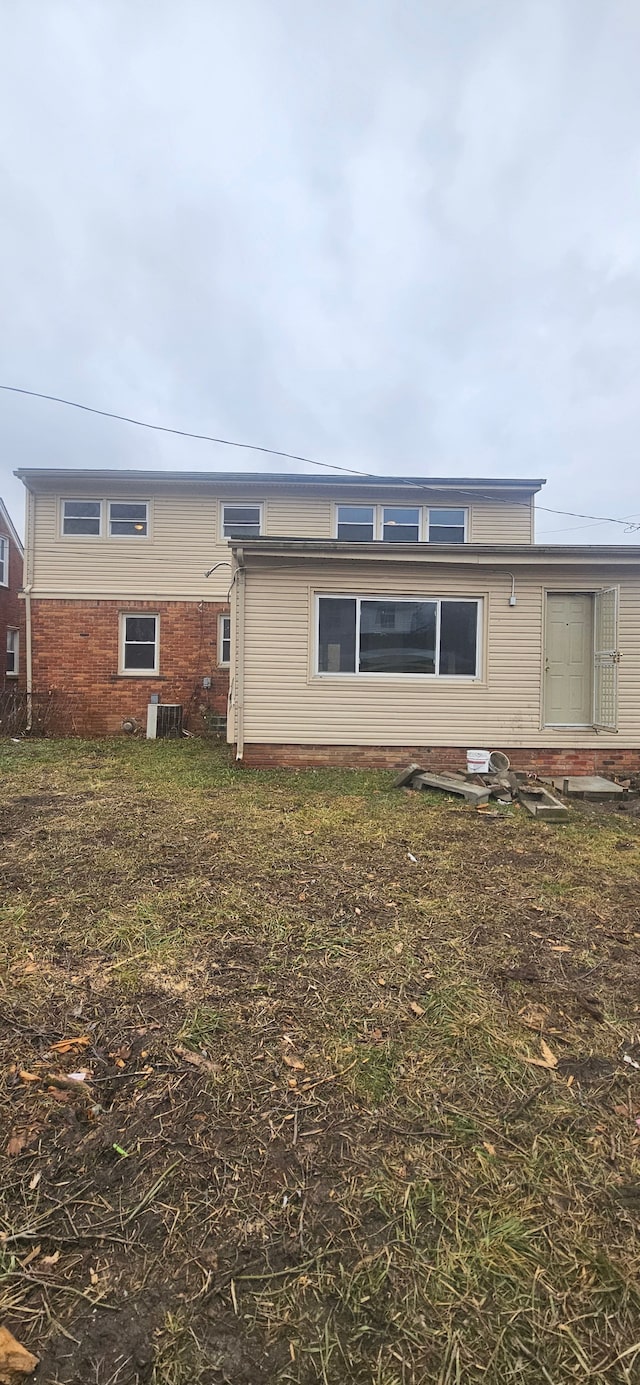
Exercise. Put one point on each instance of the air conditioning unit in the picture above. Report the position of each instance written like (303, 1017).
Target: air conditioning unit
(163, 719)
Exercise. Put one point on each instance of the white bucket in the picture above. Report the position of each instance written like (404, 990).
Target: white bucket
(478, 761)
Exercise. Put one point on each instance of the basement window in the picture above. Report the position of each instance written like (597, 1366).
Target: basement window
(13, 638)
(139, 643)
(433, 637)
(4, 562)
(128, 519)
(81, 517)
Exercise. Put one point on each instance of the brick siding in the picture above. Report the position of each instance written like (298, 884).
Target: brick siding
(608, 760)
(75, 654)
(12, 611)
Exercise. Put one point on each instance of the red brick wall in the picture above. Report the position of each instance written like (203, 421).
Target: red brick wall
(607, 760)
(75, 654)
(11, 609)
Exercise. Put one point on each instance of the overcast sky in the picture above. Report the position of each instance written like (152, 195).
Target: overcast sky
(399, 236)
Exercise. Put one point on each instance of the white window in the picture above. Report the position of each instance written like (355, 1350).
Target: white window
(241, 521)
(447, 526)
(356, 523)
(4, 562)
(400, 524)
(81, 517)
(13, 639)
(128, 519)
(139, 643)
(224, 640)
(434, 636)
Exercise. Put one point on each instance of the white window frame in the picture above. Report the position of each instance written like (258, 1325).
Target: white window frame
(224, 639)
(384, 508)
(77, 500)
(434, 508)
(359, 597)
(13, 630)
(352, 505)
(241, 505)
(131, 500)
(122, 642)
(5, 559)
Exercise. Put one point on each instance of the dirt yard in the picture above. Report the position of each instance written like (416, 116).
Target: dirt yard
(346, 1115)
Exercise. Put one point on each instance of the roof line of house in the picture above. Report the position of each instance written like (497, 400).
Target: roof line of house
(5, 519)
(451, 552)
(35, 476)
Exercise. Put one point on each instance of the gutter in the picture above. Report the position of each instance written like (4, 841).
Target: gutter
(241, 577)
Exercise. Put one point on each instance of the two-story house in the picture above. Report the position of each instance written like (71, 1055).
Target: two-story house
(351, 621)
(11, 555)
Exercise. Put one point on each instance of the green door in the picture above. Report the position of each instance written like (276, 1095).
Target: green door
(568, 687)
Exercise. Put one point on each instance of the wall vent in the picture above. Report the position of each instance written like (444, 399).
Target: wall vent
(163, 719)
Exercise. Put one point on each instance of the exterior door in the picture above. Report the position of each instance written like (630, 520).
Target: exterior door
(568, 686)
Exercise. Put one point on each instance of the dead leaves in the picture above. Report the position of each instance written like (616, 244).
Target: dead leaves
(197, 1060)
(548, 1059)
(71, 1045)
(416, 1009)
(17, 1143)
(15, 1360)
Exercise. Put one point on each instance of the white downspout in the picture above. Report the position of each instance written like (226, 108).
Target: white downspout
(241, 575)
(27, 589)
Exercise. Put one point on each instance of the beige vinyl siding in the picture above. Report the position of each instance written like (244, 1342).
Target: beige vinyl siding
(286, 701)
(185, 538)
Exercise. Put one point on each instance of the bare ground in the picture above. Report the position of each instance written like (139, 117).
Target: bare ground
(348, 1117)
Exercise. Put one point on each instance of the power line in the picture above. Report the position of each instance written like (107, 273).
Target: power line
(294, 456)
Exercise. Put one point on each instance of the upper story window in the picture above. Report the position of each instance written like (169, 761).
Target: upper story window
(4, 562)
(82, 517)
(241, 521)
(13, 638)
(447, 526)
(128, 519)
(401, 525)
(356, 523)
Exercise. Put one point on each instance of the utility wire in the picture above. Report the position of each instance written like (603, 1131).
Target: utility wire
(293, 456)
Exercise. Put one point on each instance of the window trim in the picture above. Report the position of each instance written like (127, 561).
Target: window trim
(14, 672)
(5, 559)
(131, 500)
(222, 640)
(122, 642)
(359, 597)
(240, 505)
(424, 520)
(75, 500)
(465, 512)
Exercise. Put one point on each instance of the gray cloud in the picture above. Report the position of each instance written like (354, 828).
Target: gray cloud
(396, 236)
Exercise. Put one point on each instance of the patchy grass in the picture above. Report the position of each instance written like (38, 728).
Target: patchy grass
(316, 1143)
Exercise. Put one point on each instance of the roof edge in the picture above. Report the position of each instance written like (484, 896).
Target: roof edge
(30, 476)
(340, 548)
(5, 517)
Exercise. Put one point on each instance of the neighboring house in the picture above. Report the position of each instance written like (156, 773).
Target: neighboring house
(363, 621)
(11, 556)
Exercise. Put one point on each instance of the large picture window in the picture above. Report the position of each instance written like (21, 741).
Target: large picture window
(433, 636)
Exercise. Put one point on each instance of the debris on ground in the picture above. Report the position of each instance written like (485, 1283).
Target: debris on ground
(591, 786)
(516, 786)
(15, 1361)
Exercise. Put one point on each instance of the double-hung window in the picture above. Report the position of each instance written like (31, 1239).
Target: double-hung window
(224, 640)
(128, 519)
(139, 643)
(447, 526)
(241, 521)
(356, 523)
(13, 639)
(433, 636)
(4, 562)
(81, 517)
(401, 524)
